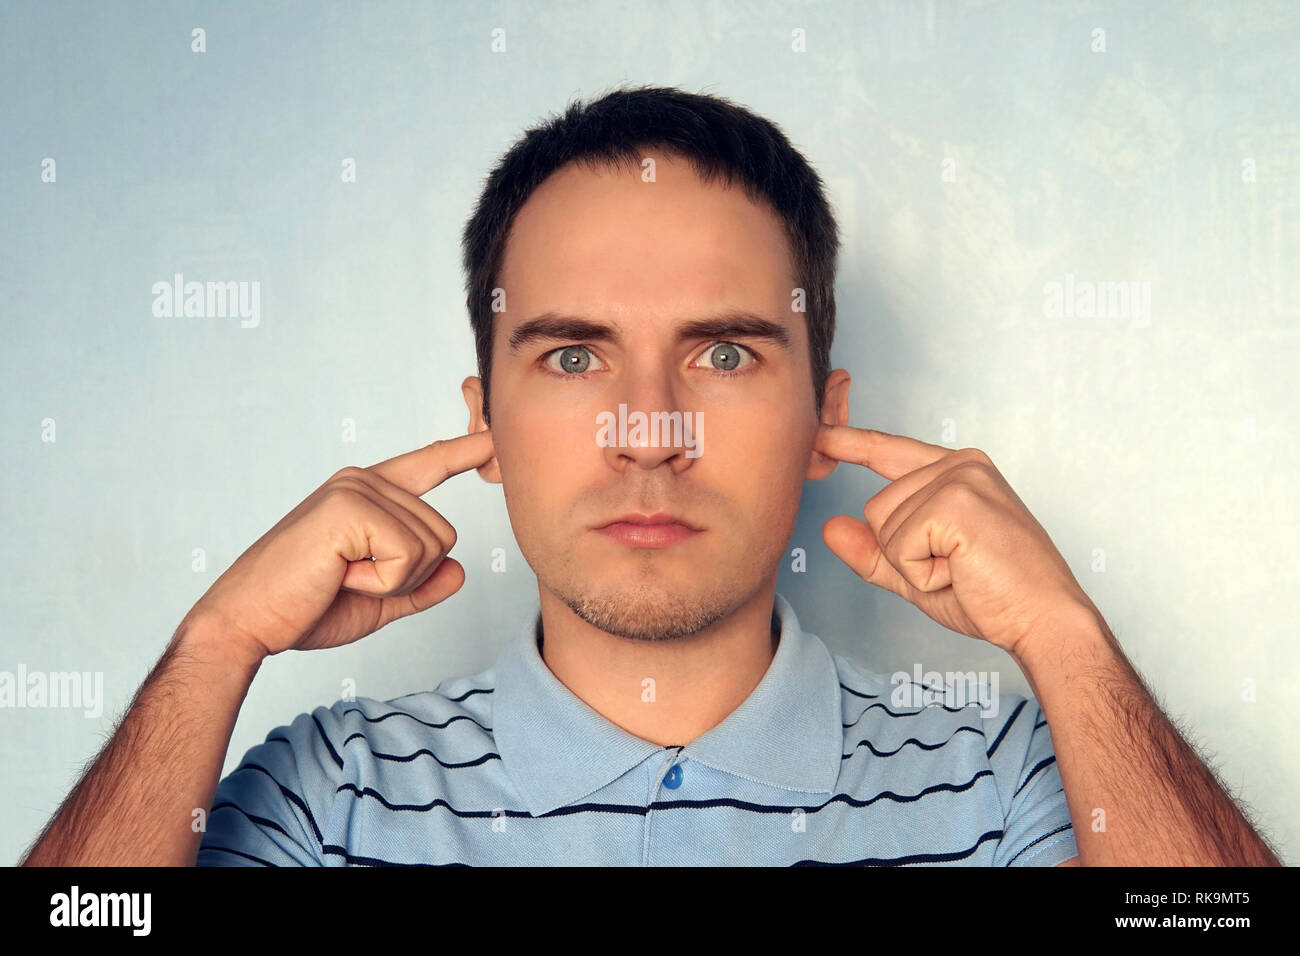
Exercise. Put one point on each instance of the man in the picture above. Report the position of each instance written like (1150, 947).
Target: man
(668, 256)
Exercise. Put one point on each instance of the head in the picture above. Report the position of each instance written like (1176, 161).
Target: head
(665, 252)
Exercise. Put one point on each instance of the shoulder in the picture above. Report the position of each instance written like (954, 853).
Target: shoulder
(457, 711)
(926, 708)
(938, 697)
(458, 708)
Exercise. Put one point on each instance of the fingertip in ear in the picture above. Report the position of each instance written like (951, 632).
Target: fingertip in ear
(820, 467)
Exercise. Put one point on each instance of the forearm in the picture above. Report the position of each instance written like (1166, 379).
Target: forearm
(1124, 765)
(135, 806)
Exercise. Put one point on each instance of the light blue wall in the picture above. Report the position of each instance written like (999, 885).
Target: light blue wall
(1164, 446)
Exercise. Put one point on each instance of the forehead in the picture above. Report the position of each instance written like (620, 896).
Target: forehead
(606, 240)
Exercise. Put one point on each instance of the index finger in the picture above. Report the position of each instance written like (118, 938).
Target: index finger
(424, 469)
(890, 455)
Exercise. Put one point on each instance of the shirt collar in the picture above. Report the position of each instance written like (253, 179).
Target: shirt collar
(787, 733)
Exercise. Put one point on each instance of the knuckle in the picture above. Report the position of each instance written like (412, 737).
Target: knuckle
(974, 455)
(342, 490)
(348, 473)
(345, 501)
(973, 472)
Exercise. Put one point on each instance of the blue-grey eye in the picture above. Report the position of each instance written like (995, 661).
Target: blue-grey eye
(725, 356)
(575, 359)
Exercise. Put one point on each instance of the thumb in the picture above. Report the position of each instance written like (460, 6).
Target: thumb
(854, 543)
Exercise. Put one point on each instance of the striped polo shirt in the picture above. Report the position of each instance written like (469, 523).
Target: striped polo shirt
(508, 767)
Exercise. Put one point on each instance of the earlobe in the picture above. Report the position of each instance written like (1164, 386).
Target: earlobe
(835, 411)
(472, 389)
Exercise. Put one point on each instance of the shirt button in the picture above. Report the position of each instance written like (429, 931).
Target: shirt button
(673, 780)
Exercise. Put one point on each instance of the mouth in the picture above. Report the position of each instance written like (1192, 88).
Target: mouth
(658, 530)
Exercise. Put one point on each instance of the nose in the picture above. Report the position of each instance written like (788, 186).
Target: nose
(649, 427)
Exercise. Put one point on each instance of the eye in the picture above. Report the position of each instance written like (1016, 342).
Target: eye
(572, 360)
(727, 356)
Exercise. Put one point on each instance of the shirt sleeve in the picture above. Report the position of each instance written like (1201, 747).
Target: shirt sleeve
(1036, 827)
(269, 810)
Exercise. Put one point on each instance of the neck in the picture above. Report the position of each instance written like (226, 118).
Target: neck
(666, 692)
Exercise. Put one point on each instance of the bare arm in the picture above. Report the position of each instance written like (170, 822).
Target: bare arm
(135, 806)
(1118, 753)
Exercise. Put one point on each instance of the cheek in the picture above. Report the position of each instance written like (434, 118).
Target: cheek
(778, 448)
(543, 451)
(763, 468)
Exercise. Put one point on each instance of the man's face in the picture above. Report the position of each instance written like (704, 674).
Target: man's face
(643, 260)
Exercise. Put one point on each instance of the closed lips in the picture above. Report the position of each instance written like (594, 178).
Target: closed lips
(658, 518)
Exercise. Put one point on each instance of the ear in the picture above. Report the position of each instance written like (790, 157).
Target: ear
(472, 389)
(835, 411)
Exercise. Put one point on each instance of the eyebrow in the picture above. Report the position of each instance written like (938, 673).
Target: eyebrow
(726, 326)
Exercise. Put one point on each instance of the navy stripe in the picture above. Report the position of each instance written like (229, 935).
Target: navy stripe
(914, 858)
(328, 746)
(468, 693)
(951, 710)
(1007, 726)
(260, 821)
(404, 758)
(246, 856)
(838, 798)
(844, 798)
(1040, 840)
(929, 687)
(289, 795)
(439, 802)
(856, 693)
(1037, 767)
(909, 740)
(333, 850)
(422, 752)
(402, 713)
(280, 738)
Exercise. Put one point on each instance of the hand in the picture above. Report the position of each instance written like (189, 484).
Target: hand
(950, 536)
(362, 550)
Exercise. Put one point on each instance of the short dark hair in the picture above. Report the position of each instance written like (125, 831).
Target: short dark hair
(718, 137)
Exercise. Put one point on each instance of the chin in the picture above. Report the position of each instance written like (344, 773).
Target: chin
(651, 610)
